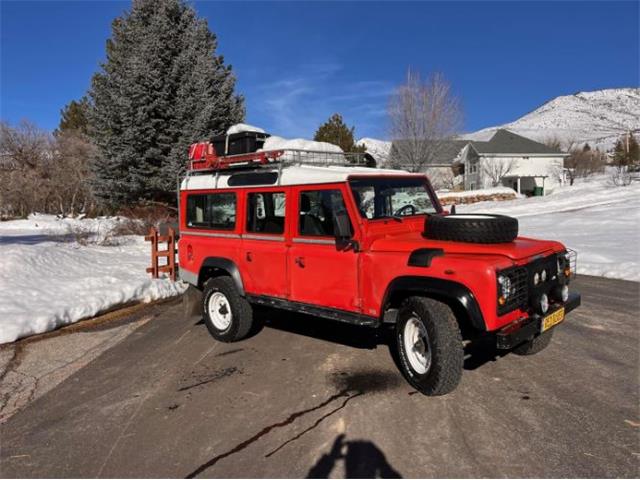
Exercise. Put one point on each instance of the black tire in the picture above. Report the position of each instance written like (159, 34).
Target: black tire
(444, 342)
(471, 228)
(241, 311)
(535, 345)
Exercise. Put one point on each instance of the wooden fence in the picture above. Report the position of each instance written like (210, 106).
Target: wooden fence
(169, 266)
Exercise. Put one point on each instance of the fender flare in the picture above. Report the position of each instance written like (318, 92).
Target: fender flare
(448, 289)
(228, 266)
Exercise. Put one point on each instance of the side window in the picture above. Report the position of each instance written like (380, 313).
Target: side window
(317, 210)
(215, 210)
(266, 212)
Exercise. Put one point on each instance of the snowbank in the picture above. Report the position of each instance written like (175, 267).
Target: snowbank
(243, 127)
(599, 221)
(48, 280)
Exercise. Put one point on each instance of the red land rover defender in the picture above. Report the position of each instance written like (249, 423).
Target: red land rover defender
(294, 230)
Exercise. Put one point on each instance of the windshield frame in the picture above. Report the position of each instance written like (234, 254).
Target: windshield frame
(423, 180)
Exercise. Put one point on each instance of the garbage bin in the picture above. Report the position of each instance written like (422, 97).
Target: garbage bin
(538, 191)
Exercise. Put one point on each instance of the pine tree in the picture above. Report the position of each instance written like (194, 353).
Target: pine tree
(161, 88)
(335, 131)
(626, 151)
(634, 150)
(74, 117)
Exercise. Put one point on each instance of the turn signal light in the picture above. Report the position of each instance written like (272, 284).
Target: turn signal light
(502, 300)
(567, 271)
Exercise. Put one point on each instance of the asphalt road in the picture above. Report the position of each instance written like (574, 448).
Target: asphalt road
(305, 397)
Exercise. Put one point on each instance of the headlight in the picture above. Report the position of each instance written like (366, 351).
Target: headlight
(543, 276)
(564, 264)
(506, 287)
(536, 278)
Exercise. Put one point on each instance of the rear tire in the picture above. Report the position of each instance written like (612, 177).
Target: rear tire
(227, 315)
(535, 345)
(429, 342)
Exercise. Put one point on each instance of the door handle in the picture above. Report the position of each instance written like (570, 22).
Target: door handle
(249, 257)
(299, 261)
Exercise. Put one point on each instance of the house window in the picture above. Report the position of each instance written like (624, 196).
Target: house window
(216, 211)
(472, 186)
(473, 168)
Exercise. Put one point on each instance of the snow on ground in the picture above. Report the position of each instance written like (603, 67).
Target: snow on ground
(47, 279)
(601, 222)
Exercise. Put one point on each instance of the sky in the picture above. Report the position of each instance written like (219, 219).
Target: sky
(299, 62)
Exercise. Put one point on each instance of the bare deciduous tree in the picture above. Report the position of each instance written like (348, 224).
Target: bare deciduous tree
(43, 173)
(496, 169)
(423, 115)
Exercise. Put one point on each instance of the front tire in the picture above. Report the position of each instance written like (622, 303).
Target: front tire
(429, 346)
(227, 315)
(535, 345)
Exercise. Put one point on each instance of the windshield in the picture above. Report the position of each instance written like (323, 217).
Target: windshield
(392, 197)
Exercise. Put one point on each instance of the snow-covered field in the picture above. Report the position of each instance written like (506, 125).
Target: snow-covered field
(599, 221)
(47, 279)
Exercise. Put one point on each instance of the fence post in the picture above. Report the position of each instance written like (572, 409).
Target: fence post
(153, 238)
(171, 248)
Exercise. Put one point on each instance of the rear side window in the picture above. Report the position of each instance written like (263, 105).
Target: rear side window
(317, 210)
(213, 210)
(266, 212)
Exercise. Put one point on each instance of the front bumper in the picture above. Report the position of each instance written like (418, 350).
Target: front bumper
(525, 329)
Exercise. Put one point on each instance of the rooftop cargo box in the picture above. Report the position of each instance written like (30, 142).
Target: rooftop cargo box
(237, 143)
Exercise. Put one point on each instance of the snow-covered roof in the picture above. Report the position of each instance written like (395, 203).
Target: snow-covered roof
(291, 175)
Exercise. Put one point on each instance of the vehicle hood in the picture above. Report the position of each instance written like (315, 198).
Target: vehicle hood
(520, 248)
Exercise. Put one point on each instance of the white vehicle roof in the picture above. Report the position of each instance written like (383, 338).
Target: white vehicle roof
(290, 175)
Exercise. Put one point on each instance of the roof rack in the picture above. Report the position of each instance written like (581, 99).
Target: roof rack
(203, 158)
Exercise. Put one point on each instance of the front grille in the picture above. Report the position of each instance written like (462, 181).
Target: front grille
(525, 292)
(519, 289)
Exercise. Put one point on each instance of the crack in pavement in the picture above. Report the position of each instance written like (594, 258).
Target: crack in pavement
(267, 429)
(315, 424)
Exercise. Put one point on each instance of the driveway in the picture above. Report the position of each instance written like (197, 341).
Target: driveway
(306, 397)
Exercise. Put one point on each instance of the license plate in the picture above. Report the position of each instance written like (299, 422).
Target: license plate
(552, 319)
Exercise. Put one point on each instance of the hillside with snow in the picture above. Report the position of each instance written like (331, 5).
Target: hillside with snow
(597, 118)
(379, 149)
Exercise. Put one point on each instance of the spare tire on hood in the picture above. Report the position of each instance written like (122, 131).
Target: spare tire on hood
(471, 227)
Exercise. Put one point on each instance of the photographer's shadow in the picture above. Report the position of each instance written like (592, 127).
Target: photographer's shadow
(362, 459)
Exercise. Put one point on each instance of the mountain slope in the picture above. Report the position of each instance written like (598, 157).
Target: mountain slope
(597, 117)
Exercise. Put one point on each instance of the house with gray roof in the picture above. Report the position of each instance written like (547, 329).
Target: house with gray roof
(507, 159)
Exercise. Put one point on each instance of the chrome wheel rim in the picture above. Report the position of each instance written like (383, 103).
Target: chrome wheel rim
(219, 311)
(417, 345)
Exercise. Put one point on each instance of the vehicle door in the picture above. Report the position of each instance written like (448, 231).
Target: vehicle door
(321, 273)
(263, 240)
